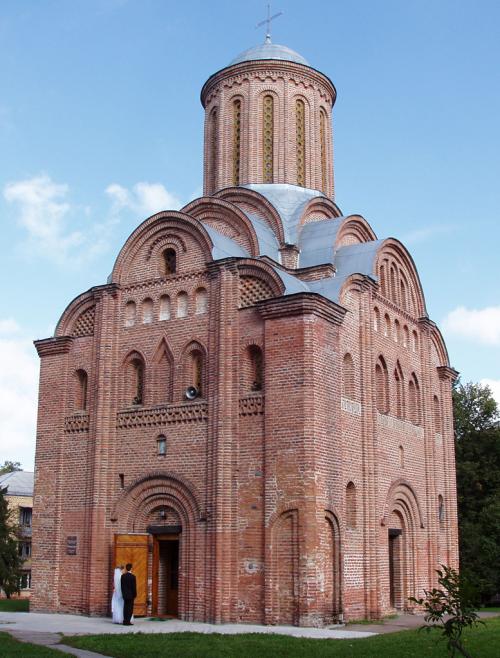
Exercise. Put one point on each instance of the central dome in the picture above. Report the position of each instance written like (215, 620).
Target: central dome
(269, 51)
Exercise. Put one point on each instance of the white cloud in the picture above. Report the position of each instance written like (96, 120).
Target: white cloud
(144, 199)
(18, 394)
(424, 233)
(43, 213)
(481, 325)
(494, 385)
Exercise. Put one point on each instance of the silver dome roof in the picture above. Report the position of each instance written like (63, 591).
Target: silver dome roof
(269, 51)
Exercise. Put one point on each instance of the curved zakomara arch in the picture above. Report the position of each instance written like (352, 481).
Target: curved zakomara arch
(396, 250)
(73, 311)
(262, 270)
(356, 226)
(320, 207)
(169, 220)
(255, 203)
(210, 208)
(439, 344)
(136, 501)
(402, 496)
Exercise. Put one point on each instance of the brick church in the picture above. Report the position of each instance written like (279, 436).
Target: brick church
(255, 409)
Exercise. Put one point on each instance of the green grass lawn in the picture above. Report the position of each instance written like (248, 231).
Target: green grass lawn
(11, 648)
(14, 605)
(482, 642)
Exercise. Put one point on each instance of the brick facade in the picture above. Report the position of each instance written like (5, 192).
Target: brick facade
(312, 475)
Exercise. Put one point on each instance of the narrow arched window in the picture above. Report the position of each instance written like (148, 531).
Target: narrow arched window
(322, 141)
(196, 358)
(256, 368)
(164, 307)
(381, 386)
(401, 457)
(441, 511)
(268, 139)
(147, 311)
(350, 505)
(161, 445)
(383, 279)
(414, 400)
(169, 261)
(406, 336)
(300, 141)
(348, 384)
(130, 314)
(236, 140)
(135, 381)
(182, 304)
(376, 319)
(213, 144)
(438, 429)
(387, 325)
(403, 293)
(400, 399)
(415, 341)
(201, 301)
(397, 331)
(394, 290)
(81, 390)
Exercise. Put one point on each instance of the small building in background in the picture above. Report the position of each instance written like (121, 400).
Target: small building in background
(19, 485)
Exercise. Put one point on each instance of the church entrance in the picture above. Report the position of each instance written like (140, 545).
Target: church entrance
(396, 568)
(166, 548)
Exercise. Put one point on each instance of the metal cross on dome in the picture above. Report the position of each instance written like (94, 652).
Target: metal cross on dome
(267, 22)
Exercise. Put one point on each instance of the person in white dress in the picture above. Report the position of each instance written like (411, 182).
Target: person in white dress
(117, 599)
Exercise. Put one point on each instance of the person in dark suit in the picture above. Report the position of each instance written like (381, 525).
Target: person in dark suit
(129, 592)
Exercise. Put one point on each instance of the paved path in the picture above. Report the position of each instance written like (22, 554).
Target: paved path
(52, 641)
(14, 622)
(401, 623)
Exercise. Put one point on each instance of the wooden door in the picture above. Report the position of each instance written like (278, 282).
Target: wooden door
(134, 549)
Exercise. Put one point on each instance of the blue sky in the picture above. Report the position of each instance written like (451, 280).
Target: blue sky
(101, 125)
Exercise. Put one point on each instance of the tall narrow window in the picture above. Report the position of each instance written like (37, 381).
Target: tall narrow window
(236, 140)
(169, 261)
(415, 341)
(130, 313)
(382, 386)
(400, 396)
(135, 381)
(300, 141)
(414, 400)
(201, 301)
(256, 368)
(81, 390)
(403, 293)
(213, 140)
(437, 416)
(383, 280)
(394, 291)
(348, 390)
(147, 311)
(401, 457)
(350, 505)
(322, 140)
(376, 319)
(397, 331)
(268, 138)
(441, 512)
(387, 325)
(164, 307)
(161, 445)
(406, 336)
(182, 304)
(197, 370)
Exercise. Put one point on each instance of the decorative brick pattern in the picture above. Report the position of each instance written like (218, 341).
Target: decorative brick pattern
(252, 405)
(191, 412)
(84, 326)
(253, 290)
(77, 423)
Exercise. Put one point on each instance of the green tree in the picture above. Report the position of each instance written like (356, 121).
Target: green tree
(477, 446)
(10, 561)
(9, 467)
(450, 608)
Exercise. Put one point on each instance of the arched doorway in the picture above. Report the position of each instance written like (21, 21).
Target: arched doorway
(158, 531)
(333, 570)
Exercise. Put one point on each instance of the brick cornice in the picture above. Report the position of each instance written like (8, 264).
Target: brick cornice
(447, 372)
(52, 346)
(301, 304)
